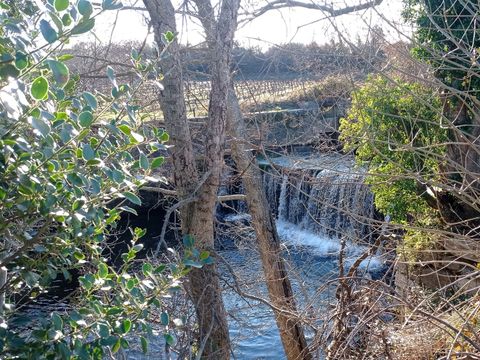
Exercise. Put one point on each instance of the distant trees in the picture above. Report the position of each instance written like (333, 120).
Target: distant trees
(294, 60)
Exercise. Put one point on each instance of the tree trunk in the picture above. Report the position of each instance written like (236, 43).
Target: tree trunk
(198, 193)
(278, 283)
(219, 36)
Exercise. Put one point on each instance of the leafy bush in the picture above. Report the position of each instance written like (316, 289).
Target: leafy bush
(394, 129)
(70, 164)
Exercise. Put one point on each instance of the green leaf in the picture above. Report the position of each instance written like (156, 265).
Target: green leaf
(90, 99)
(66, 20)
(147, 268)
(169, 339)
(159, 269)
(48, 32)
(75, 179)
(94, 162)
(129, 210)
(85, 8)
(57, 321)
(61, 5)
(39, 88)
(83, 27)
(102, 270)
(137, 247)
(139, 232)
(41, 126)
(87, 284)
(64, 351)
(169, 36)
(65, 57)
(60, 72)
(136, 138)
(164, 318)
(103, 330)
(131, 284)
(57, 21)
(157, 162)
(111, 5)
(114, 311)
(126, 326)
(144, 163)
(132, 197)
(164, 137)
(21, 60)
(88, 152)
(77, 204)
(116, 347)
(144, 343)
(85, 118)
(78, 255)
(125, 129)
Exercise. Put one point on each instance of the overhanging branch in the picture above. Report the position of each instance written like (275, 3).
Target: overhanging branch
(168, 192)
(329, 10)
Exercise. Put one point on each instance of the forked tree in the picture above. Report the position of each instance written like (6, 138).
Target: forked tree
(197, 185)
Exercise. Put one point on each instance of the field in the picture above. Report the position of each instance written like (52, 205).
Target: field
(252, 94)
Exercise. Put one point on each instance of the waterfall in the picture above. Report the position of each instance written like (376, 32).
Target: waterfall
(331, 201)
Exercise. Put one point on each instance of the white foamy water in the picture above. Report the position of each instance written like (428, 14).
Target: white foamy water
(294, 235)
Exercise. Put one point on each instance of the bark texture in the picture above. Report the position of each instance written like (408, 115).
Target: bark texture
(278, 283)
(219, 34)
(196, 191)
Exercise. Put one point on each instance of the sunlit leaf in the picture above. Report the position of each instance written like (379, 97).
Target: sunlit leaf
(61, 5)
(111, 5)
(90, 99)
(85, 8)
(39, 88)
(83, 26)
(48, 32)
(88, 152)
(60, 72)
(132, 197)
(85, 118)
(40, 125)
(157, 162)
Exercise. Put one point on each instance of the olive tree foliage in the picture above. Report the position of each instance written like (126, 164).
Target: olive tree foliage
(70, 164)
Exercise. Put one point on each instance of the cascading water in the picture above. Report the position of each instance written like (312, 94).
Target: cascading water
(317, 201)
(331, 201)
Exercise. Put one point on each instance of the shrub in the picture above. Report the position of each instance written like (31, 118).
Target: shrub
(70, 164)
(394, 129)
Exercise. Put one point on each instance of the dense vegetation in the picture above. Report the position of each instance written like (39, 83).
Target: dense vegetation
(70, 164)
(395, 129)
